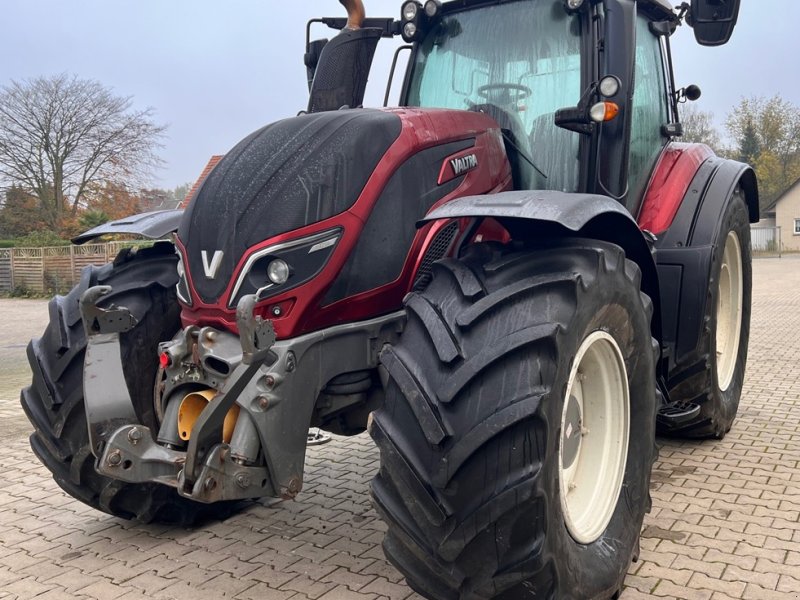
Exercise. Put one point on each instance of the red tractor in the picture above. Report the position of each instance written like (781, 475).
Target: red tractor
(511, 281)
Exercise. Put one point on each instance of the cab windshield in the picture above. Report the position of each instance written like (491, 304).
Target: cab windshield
(518, 62)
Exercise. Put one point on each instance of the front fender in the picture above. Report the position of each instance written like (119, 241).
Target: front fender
(572, 211)
(152, 225)
(524, 213)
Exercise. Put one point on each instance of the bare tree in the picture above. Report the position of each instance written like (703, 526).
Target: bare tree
(698, 127)
(61, 135)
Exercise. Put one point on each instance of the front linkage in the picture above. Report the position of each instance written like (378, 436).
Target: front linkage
(126, 450)
(250, 380)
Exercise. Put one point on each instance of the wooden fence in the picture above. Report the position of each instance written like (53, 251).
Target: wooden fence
(51, 270)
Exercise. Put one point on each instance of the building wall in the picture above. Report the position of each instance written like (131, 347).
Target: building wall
(764, 234)
(786, 212)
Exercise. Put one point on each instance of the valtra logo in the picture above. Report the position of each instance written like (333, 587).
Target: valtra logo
(464, 164)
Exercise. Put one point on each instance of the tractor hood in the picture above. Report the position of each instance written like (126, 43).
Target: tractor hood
(287, 175)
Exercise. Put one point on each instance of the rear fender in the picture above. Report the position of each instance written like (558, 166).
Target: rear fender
(529, 214)
(684, 252)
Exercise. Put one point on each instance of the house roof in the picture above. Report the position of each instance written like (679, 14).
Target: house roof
(206, 172)
(785, 194)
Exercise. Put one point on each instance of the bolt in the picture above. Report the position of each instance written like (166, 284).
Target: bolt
(277, 311)
(134, 435)
(269, 381)
(289, 492)
(291, 362)
(243, 480)
(572, 487)
(115, 458)
(211, 336)
(263, 403)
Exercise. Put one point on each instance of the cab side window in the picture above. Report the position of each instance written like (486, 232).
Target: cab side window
(649, 109)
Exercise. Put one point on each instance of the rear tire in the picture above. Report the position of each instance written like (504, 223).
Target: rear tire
(713, 376)
(479, 419)
(144, 282)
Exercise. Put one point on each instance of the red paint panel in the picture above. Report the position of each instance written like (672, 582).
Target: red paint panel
(301, 310)
(671, 179)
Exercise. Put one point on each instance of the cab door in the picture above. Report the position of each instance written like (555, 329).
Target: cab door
(651, 109)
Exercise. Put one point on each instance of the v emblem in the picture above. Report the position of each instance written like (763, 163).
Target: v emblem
(210, 269)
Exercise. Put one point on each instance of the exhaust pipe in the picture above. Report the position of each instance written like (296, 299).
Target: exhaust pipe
(193, 404)
(355, 13)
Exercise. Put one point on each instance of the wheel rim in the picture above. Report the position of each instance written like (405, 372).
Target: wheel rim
(593, 446)
(729, 311)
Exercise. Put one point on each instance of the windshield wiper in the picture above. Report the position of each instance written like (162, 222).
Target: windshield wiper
(522, 153)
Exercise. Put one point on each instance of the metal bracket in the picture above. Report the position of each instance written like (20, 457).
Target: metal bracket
(131, 455)
(96, 320)
(257, 337)
(107, 400)
(221, 478)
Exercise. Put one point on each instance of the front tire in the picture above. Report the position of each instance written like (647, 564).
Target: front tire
(144, 282)
(482, 435)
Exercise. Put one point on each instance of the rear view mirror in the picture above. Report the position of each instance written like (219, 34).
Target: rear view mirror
(713, 20)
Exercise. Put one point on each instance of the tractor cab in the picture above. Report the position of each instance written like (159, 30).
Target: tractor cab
(583, 91)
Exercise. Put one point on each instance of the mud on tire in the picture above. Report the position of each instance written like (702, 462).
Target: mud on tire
(144, 282)
(470, 432)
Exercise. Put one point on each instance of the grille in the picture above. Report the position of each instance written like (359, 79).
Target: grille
(436, 251)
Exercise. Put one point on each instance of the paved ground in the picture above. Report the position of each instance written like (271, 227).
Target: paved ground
(725, 520)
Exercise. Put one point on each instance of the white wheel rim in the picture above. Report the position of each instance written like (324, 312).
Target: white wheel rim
(729, 311)
(593, 439)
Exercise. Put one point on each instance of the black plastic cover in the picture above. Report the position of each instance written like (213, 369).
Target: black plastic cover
(384, 243)
(342, 71)
(285, 176)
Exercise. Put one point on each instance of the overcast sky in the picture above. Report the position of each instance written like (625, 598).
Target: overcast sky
(215, 71)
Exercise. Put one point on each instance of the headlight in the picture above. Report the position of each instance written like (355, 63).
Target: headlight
(276, 269)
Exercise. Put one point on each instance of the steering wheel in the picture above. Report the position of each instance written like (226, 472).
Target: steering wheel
(522, 91)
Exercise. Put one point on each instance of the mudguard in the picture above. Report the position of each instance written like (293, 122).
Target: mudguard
(523, 213)
(152, 225)
(684, 251)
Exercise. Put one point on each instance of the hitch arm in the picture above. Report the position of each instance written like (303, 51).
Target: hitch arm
(257, 337)
(106, 397)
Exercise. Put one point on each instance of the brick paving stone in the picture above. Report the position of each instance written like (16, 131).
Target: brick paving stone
(262, 591)
(725, 522)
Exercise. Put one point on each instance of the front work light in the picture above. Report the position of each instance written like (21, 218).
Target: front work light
(573, 6)
(409, 31)
(609, 86)
(432, 8)
(410, 10)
